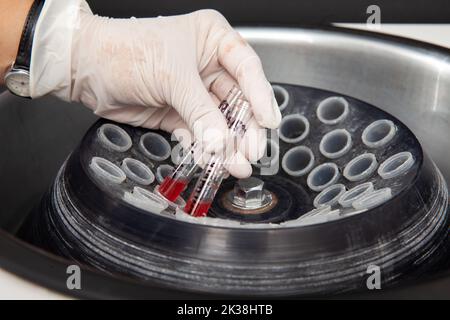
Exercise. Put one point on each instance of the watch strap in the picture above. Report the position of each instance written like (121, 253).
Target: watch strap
(23, 58)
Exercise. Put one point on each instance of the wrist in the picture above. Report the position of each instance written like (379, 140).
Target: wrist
(12, 20)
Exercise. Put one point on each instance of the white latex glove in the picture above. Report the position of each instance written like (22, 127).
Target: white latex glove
(162, 73)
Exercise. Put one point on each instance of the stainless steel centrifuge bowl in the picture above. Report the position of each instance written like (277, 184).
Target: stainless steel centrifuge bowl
(405, 78)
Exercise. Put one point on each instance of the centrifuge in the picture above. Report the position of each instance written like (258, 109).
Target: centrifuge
(355, 177)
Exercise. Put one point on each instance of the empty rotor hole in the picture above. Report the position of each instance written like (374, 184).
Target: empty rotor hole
(355, 193)
(105, 169)
(329, 196)
(153, 201)
(114, 137)
(155, 146)
(360, 167)
(335, 143)
(145, 200)
(373, 199)
(396, 165)
(298, 161)
(322, 176)
(378, 133)
(332, 110)
(294, 128)
(281, 95)
(137, 171)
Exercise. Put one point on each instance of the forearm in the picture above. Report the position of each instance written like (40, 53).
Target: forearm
(12, 17)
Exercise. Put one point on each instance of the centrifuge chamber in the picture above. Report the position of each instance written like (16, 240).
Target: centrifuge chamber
(405, 78)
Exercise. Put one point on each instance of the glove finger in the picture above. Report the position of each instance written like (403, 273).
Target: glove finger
(222, 85)
(137, 116)
(241, 61)
(214, 98)
(238, 166)
(180, 131)
(253, 144)
(202, 115)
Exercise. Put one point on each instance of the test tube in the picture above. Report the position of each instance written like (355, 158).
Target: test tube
(206, 187)
(174, 184)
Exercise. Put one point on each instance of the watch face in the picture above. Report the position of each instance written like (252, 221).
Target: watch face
(18, 82)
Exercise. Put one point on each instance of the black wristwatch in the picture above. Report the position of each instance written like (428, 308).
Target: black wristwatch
(18, 78)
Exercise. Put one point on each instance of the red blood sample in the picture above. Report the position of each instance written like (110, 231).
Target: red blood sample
(201, 210)
(171, 188)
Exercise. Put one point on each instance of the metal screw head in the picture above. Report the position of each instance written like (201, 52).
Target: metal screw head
(249, 194)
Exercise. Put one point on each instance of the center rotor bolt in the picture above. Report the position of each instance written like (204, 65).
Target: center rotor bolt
(249, 194)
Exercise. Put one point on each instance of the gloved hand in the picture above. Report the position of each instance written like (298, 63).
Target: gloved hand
(164, 73)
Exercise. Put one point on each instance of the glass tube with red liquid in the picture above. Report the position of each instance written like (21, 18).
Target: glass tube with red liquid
(206, 187)
(174, 184)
